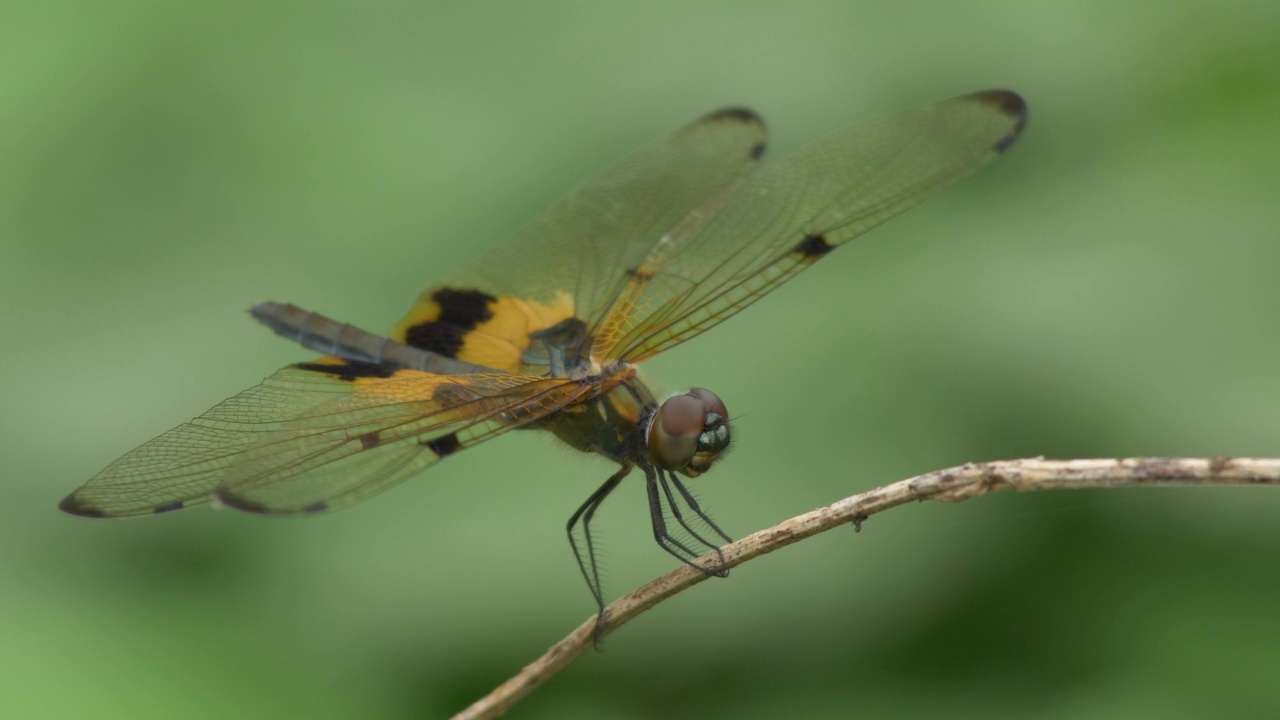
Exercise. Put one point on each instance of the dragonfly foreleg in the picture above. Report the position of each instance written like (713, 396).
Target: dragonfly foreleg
(658, 489)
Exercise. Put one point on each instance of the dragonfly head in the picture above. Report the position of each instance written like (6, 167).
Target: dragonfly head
(688, 432)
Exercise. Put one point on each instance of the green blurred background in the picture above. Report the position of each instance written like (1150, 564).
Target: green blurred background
(1107, 289)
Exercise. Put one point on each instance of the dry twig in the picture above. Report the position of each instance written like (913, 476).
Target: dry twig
(950, 485)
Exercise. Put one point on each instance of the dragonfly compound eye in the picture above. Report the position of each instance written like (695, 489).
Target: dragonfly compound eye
(675, 430)
(714, 439)
(689, 431)
(715, 428)
(712, 401)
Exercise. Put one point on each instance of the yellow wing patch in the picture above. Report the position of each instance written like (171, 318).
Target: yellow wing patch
(479, 328)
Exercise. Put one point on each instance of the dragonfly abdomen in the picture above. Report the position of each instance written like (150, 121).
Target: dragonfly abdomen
(322, 334)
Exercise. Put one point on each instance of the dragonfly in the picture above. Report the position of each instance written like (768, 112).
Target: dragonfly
(545, 331)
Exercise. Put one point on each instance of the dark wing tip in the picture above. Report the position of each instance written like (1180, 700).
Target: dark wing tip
(740, 119)
(237, 502)
(72, 506)
(734, 114)
(243, 504)
(1011, 105)
(1007, 101)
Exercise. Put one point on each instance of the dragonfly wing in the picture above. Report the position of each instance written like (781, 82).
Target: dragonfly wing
(342, 452)
(317, 436)
(783, 218)
(572, 261)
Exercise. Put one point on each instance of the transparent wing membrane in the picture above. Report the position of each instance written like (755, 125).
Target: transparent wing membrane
(787, 215)
(316, 436)
(585, 244)
(346, 451)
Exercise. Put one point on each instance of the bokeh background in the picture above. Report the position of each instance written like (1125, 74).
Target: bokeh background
(1106, 289)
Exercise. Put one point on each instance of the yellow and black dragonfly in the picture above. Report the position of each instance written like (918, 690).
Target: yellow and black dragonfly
(546, 329)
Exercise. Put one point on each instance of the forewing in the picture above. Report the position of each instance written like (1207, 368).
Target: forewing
(573, 260)
(783, 218)
(316, 436)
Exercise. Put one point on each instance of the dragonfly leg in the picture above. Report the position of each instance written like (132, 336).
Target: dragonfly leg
(693, 505)
(659, 489)
(586, 551)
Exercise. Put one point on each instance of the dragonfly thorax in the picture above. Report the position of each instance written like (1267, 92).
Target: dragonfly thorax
(563, 349)
(688, 432)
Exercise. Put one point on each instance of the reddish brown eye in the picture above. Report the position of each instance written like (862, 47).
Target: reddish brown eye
(711, 401)
(674, 431)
